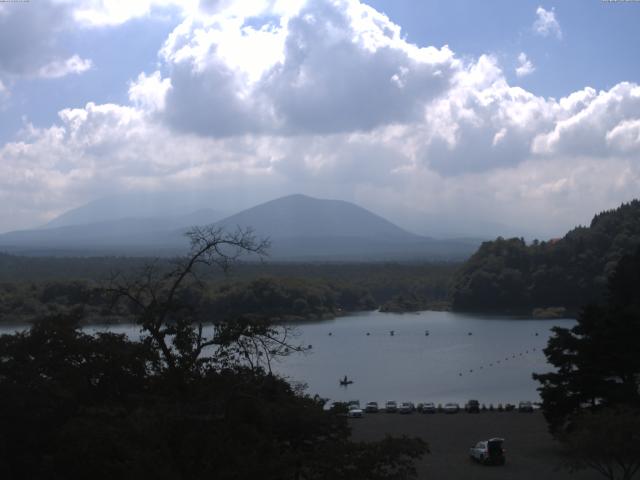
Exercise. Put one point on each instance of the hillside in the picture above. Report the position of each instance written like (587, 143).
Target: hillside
(301, 228)
(300, 216)
(120, 236)
(509, 275)
(157, 206)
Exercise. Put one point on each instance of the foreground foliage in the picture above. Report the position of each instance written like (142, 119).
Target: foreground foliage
(607, 441)
(184, 402)
(592, 400)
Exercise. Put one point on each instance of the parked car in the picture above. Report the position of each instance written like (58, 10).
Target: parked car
(371, 407)
(525, 407)
(391, 407)
(355, 412)
(406, 407)
(354, 403)
(428, 408)
(451, 408)
(472, 406)
(489, 452)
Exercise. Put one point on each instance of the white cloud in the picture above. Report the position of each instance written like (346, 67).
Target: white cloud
(591, 130)
(109, 13)
(256, 99)
(625, 136)
(324, 67)
(73, 65)
(149, 91)
(525, 66)
(546, 23)
(27, 37)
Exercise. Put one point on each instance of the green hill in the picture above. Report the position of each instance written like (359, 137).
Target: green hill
(507, 275)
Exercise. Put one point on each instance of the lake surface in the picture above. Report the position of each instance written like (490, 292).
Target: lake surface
(493, 365)
(411, 366)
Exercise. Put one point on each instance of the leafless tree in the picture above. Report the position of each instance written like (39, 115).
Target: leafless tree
(165, 304)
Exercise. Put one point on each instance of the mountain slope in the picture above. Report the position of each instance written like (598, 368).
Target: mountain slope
(569, 272)
(300, 216)
(110, 236)
(133, 205)
(306, 228)
(301, 228)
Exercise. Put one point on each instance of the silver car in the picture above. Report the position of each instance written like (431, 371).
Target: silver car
(451, 408)
(489, 452)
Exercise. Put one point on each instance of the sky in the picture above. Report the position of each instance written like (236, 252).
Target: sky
(446, 117)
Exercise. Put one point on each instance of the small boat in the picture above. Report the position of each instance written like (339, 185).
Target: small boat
(345, 381)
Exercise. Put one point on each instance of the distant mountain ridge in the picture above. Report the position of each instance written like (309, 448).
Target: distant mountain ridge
(300, 228)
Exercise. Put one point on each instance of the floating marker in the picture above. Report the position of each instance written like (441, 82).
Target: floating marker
(330, 334)
(368, 334)
(459, 374)
(309, 346)
(391, 333)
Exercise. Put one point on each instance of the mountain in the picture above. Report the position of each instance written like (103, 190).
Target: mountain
(300, 216)
(570, 272)
(138, 236)
(299, 227)
(133, 205)
(306, 228)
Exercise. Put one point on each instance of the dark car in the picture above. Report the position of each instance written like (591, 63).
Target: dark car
(371, 407)
(472, 406)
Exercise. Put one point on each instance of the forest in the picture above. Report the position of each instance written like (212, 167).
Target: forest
(511, 275)
(34, 286)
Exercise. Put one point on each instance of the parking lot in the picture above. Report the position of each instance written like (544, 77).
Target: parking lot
(531, 452)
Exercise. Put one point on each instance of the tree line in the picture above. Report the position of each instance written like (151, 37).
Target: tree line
(511, 275)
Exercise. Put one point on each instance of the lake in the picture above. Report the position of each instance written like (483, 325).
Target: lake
(488, 358)
(493, 365)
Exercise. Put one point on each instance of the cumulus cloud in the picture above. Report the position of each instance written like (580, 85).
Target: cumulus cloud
(109, 13)
(325, 67)
(256, 99)
(525, 66)
(546, 23)
(591, 130)
(28, 36)
(149, 91)
(73, 65)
